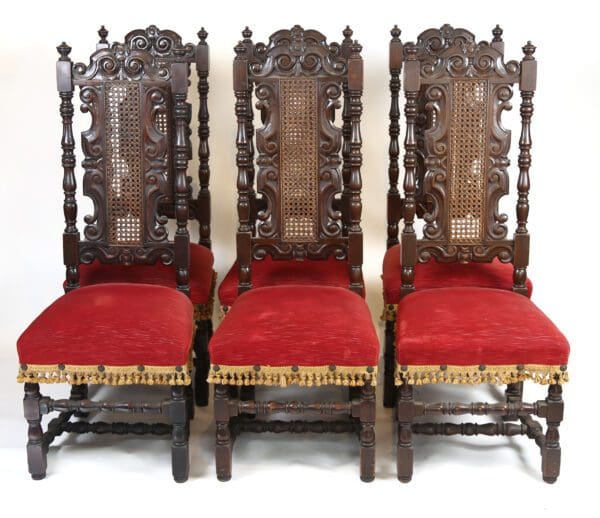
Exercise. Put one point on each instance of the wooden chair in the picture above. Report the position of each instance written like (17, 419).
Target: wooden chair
(303, 210)
(333, 271)
(471, 335)
(494, 274)
(118, 333)
(161, 45)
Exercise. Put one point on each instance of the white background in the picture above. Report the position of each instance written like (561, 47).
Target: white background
(312, 475)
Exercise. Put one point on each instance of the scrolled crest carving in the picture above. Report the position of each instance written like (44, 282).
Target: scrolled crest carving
(432, 41)
(464, 150)
(120, 62)
(297, 52)
(159, 43)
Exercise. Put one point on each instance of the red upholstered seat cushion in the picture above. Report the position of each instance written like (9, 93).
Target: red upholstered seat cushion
(475, 326)
(111, 325)
(267, 272)
(296, 325)
(201, 273)
(445, 275)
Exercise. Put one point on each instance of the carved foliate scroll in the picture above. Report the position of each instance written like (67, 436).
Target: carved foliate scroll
(298, 78)
(465, 152)
(126, 152)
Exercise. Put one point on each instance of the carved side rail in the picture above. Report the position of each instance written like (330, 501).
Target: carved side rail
(86, 405)
(259, 408)
(248, 425)
(507, 429)
(479, 408)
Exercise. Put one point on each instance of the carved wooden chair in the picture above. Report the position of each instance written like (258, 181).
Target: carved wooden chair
(494, 274)
(470, 334)
(118, 333)
(302, 211)
(276, 271)
(161, 45)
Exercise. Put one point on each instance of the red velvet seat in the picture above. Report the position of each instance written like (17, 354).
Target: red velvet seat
(267, 272)
(445, 275)
(201, 274)
(112, 334)
(476, 335)
(295, 334)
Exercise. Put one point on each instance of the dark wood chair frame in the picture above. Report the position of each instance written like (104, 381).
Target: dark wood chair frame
(166, 90)
(430, 44)
(258, 68)
(161, 44)
(478, 61)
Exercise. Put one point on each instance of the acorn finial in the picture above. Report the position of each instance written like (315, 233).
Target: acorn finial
(202, 35)
(103, 33)
(348, 32)
(64, 50)
(497, 32)
(247, 33)
(395, 32)
(529, 50)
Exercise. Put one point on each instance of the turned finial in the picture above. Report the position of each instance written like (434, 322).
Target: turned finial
(355, 48)
(247, 33)
(202, 35)
(497, 32)
(103, 33)
(64, 50)
(348, 32)
(411, 51)
(395, 32)
(529, 50)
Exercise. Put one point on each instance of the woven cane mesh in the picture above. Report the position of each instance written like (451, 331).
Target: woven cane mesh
(467, 182)
(299, 158)
(123, 163)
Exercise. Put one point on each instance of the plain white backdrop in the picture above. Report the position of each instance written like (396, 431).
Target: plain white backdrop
(311, 475)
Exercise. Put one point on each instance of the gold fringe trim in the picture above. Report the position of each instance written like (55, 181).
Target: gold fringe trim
(389, 312)
(284, 376)
(106, 375)
(205, 311)
(476, 374)
(223, 310)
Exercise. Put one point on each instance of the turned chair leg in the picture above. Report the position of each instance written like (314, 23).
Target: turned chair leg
(203, 334)
(551, 448)
(389, 389)
(223, 434)
(178, 417)
(36, 452)
(367, 433)
(78, 393)
(514, 394)
(405, 411)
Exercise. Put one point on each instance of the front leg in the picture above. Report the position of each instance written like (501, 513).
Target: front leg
(223, 448)
(36, 452)
(551, 448)
(178, 416)
(367, 433)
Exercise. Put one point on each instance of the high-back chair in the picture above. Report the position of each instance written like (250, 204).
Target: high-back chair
(162, 45)
(118, 333)
(304, 209)
(471, 335)
(265, 209)
(430, 45)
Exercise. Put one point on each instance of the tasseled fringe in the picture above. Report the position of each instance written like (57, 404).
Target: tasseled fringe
(284, 376)
(475, 374)
(222, 312)
(389, 312)
(205, 311)
(105, 375)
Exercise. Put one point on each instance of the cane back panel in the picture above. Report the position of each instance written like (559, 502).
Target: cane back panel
(464, 149)
(127, 153)
(298, 80)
